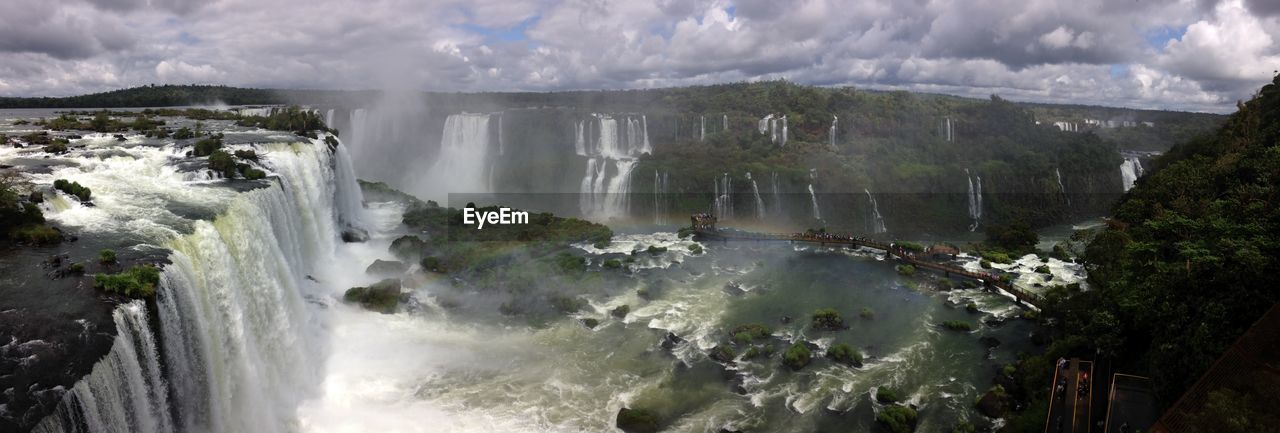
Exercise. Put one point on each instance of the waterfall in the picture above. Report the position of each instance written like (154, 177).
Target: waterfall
(702, 128)
(580, 140)
(817, 213)
(975, 199)
(832, 133)
(784, 132)
(659, 197)
(604, 194)
(777, 196)
(947, 133)
(349, 199)
(645, 147)
(764, 124)
(1130, 171)
(502, 147)
(328, 118)
(125, 392)
(1062, 189)
(755, 191)
(875, 222)
(723, 203)
(464, 148)
(724, 123)
(240, 343)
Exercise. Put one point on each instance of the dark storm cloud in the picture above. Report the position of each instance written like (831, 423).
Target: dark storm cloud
(1088, 51)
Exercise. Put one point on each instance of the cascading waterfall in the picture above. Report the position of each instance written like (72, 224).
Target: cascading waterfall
(778, 208)
(1062, 189)
(817, 212)
(702, 128)
(764, 124)
(724, 123)
(239, 341)
(832, 134)
(784, 132)
(502, 146)
(875, 222)
(462, 165)
(975, 199)
(755, 191)
(126, 391)
(605, 192)
(328, 118)
(1130, 171)
(659, 197)
(723, 203)
(580, 139)
(947, 131)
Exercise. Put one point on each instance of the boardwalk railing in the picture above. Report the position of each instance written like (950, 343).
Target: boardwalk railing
(987, 280)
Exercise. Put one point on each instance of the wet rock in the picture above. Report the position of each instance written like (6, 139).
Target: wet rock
(382, 296)
(621, 311)
(386, 267)
(637, 420)
(992, 403)
(590, 323)
(670, 341)
(354, 235)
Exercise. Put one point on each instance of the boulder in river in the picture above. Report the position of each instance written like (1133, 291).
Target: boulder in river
(386, 267)
(382, 296)
(637, 420)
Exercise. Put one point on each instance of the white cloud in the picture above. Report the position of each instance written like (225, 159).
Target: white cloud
(1049, 50)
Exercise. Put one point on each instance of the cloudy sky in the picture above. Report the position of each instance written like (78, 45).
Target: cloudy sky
(1198, 55)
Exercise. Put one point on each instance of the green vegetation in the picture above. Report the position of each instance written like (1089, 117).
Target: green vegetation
(964, 427)
(827, 319)
(971, 307)
(723, 353)
(797, 356)
(566, 304)
(866, 313)
(905, 270)
(76, 268)
(74, 188)
(750, 333)
(910, 246)
(571, 264)
(897, 418)
(654, 249)
(382, 296)
(292, 118)
(222, 163)
(845, 354)
(1192, 244)
(136, 282)
(886, 395)
(183, 133)
(621, 311)
(21, 221)
(957, 325)
(206, 146)
(1043, 269)
(106, 257)
(695, 249)
(1015, 236)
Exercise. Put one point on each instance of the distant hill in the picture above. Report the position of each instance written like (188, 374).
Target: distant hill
(152, 96)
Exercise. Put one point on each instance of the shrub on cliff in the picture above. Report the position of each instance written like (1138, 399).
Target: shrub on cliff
(137, 282)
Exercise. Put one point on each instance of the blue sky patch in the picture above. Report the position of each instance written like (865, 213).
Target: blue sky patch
(1159, 37)
(494, 34)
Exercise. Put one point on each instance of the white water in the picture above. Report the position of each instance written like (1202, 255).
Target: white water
(831, 134)
(722, 204)
(605, 193)
(975, 199)
(947, 132)
(784, 132)
(1130, 171)
(461, 165)
(580, 140)
(702, 128)
(755, 191)
(724, 123)
(242, 348)
(778, 208)
(659, 197)
(817, 212)
(875, 220)
(1062, 189)
(764, 124)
